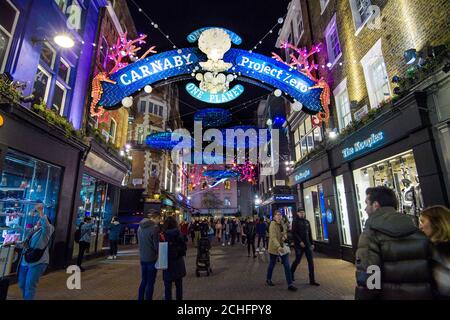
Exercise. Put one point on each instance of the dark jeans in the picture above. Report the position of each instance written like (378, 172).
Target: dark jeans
(148, 274)
(83, 246)
(287, 269)
(298, 259)
(238, 235)
(244, 237)
(263, 238)
(178, 288)
(233, 238)
(251, 242)
(113, 247)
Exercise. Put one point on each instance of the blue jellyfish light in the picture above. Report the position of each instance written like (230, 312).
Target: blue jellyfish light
(164, 140)
(221, 174)
(213, 117)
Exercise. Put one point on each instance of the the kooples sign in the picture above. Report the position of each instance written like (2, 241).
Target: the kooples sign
(361, 147)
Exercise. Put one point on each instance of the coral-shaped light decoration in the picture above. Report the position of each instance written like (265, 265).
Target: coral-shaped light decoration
(299, 60)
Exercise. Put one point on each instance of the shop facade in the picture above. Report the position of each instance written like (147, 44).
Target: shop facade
(103, 175)
(285, 203)
(44, 170)
(396, 150)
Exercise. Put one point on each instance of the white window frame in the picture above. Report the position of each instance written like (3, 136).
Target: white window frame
(52, 66)
(298, 34)
(69, 70)
(10, 35)
(329, 31)
(323, 5)
(357, 20)
(113, 136)
(63, 102)
(367, 61)
(47, 89)
(340, 90)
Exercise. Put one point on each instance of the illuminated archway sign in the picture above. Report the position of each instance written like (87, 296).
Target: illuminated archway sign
(207, 97)
(177, 63)
(193, 37)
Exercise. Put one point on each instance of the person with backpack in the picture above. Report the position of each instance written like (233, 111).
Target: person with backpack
(176, 270)
(250, 233)
(35, 258)
(114, 234)
(85, 233)
(261, 232)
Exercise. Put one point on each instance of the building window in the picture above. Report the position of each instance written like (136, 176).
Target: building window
(140, 135)
(48, 56)
(41, 84)
(227, 185)
(298, 26)
(306, 138)
(8, 20)
(227, 202)
(361, 13)
(376, 76)
(64, 71)
(342, 105)
(143, 106)
(59, 98)
(323, 5)
(332, 39)
(112, 131)
(103, 53)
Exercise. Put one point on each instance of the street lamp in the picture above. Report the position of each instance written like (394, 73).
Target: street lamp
(64, 41)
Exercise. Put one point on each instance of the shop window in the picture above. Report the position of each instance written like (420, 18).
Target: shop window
(59, 98)
(361, 13)
(227, 202)
(8, 20)
(26, 181)
(398, 173)
(376, 76)
(342, 105)
(316, 212)
(332, 40)
(343, 211)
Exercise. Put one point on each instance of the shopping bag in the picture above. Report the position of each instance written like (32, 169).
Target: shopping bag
(286, 250)
(163, 254)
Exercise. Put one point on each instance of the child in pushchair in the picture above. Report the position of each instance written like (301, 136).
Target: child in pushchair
(203, 262)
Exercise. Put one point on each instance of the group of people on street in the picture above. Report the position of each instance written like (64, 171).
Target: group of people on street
(413, 262)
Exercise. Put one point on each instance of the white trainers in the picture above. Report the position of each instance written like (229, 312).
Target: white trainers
(263, 249)
(223, 244)
(110, 258)
(115, 257)
(229, 243)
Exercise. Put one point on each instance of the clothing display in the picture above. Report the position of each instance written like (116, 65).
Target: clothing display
(398, 173)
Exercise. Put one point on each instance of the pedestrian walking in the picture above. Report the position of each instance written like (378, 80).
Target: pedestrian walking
(238, 230)
(277, 236)
(184, 230)
(226, 232)
(176, 269)
(197, 231)
(210, 233)
(115, 229)
(391, 242)
(86, 231)
(219, 231)
(35, 258)
(148, 239)
(303, 243)
(243, 231)
(191, 231)
(233, 231)
(435, 223)
(261, 232)
(250, 233)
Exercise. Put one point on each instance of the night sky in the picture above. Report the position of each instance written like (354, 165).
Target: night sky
(250, 19)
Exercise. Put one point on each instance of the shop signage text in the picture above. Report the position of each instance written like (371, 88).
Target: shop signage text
(301, 176)
(361, 146)
(284, 198)
(207, 97)
(195, 35)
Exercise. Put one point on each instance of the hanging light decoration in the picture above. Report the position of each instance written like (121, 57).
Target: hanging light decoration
(165, 140)
(252, 140)
(213, 117)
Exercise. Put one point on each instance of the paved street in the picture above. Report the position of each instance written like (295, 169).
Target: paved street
(235, 276)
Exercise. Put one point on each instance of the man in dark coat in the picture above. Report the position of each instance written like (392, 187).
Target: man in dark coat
(250, 233)
(233, 231)
(303, 243)
(392, 260)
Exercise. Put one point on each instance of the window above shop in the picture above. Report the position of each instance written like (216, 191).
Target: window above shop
(361, 12)
(333, 43)
(376, 76)
(344, 113)
(8, 21)
(306, 138)
(323, 5)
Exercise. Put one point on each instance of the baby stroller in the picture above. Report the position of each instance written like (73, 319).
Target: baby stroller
(203, 262)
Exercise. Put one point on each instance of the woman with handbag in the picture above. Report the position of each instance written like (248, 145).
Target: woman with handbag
(35, 257)
(277, 248)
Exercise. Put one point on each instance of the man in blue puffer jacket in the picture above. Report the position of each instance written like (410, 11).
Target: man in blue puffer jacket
(115, 229)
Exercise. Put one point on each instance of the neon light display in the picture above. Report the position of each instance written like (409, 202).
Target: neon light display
(163, 140)
(312, 93)
(193, 37)
(207, 97)
(213, 117)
